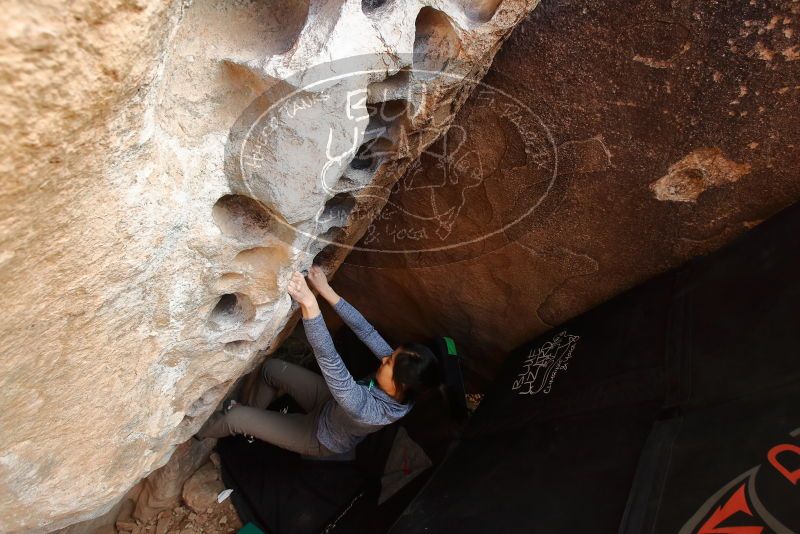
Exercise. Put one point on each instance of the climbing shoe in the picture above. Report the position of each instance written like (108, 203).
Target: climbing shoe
(226, 407)
(228, 404)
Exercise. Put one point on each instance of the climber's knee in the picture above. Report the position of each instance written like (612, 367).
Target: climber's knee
(270, 369)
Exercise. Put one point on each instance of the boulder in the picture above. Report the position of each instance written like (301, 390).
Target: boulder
(150, 221)
(201, 490)
(163, 488)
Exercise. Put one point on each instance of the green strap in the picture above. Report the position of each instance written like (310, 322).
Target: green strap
(364, 382)
(451, 346)
(250, 528)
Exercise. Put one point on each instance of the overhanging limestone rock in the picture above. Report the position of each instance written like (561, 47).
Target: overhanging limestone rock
(140, 278)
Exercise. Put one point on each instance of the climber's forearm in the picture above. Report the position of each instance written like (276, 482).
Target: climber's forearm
(362, 328)
(330, 296)
(309, 309)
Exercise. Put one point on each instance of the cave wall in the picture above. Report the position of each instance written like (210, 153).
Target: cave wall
(612, 141)
(144, 264)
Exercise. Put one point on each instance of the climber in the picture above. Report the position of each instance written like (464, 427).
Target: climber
(340, 410)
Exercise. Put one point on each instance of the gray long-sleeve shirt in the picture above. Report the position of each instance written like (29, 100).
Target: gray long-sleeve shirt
(355, 410)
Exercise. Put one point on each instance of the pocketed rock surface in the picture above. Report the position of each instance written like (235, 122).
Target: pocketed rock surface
(141, 274)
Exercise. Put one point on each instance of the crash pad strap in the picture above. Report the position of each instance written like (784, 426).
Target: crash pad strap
(451, 345)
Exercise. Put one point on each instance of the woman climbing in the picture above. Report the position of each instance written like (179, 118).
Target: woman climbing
(340, 411)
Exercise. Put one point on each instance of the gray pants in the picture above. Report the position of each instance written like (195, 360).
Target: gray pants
(294, 432)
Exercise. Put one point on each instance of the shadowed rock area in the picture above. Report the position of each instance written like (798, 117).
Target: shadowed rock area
(631, 137)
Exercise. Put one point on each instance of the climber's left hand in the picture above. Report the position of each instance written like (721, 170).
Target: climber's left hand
(300, 292)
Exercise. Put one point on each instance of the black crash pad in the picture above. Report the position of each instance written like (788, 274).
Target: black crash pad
(674, 407)
(282, 493)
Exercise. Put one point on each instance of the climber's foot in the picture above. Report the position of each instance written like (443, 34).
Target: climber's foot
(228, 405)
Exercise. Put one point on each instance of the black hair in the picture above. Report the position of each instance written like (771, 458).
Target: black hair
(416, 369)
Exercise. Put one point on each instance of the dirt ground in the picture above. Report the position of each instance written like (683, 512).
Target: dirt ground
(218, 519)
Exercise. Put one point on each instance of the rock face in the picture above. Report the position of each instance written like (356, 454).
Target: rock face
(148, 226)
(610, 141)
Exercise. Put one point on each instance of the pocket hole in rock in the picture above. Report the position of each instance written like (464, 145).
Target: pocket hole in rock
(370, 154)
(435, 41)
(232, 311)
(242, 218)
(332, 235)
(336, 210)
(389, 122)
(327, 245)
(394, 87)
(480, 10)
(363, 158)
(238, 348)
(369, 6)
(388, 112)
(327, 254)
(348, 183)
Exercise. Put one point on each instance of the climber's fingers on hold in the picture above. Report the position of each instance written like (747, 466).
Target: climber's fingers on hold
(297, 285)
